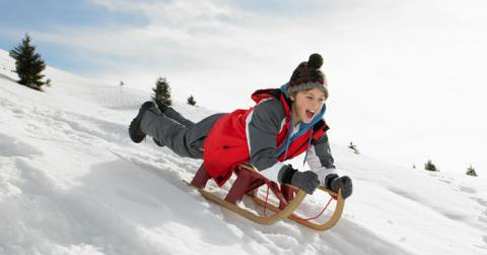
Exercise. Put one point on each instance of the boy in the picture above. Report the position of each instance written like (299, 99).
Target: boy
(284, 123)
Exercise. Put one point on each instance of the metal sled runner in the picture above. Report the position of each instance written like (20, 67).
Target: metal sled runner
(248, 181)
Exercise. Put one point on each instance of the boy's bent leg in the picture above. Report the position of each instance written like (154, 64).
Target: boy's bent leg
(166, 130)
(184, 141)
(173, 114)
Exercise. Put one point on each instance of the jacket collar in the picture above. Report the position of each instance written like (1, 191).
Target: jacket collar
(263, 94)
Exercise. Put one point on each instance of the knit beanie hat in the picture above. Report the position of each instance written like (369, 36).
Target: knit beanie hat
(308, 76)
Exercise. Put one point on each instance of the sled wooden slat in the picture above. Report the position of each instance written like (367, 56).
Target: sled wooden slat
(320, 227)
(251, 215)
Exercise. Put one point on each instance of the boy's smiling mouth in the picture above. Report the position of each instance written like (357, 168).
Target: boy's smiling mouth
(310, 114)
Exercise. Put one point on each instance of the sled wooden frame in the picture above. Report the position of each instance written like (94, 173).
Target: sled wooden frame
(332, 221)
(247, 182)
(251, 215)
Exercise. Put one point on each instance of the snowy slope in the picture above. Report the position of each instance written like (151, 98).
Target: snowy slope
(72, 182)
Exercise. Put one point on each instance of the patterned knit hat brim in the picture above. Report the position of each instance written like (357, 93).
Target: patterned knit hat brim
(306, 86)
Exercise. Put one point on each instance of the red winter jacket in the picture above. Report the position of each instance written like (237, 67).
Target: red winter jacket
(227, 144)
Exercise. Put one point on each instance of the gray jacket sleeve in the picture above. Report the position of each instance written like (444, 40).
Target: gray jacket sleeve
(320, 159)
(321, 149)
(263, 125)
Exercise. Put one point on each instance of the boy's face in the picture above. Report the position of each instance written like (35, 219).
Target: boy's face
(306, 104)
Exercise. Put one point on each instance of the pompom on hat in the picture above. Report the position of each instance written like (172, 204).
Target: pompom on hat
(308, 76)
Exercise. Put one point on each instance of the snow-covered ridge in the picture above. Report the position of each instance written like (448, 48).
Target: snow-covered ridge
(72, 182)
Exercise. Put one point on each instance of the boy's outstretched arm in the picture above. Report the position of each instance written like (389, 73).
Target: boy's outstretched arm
(321, 161)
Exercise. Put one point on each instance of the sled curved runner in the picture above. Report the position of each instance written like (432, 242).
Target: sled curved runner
(247, 182)
(251, 215)
(332, 221)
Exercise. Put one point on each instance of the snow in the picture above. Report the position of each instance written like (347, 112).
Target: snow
(72, 182)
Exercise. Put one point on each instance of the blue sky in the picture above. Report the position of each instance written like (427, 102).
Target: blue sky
(43, 15)
(406, 77)
(30, 16)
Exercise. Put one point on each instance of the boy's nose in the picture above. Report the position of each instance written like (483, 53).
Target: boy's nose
(316, 106)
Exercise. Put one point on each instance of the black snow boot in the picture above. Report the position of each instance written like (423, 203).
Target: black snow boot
(135, 132)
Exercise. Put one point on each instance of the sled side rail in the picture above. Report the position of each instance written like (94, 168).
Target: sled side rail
(332, 221)
(253, 216)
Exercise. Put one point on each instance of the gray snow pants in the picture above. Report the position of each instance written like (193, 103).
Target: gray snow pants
(179, 134)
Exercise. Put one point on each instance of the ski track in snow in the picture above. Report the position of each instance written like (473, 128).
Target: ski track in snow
(72, 182)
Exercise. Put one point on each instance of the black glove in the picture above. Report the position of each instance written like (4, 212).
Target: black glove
(334, 183)
(307, 181)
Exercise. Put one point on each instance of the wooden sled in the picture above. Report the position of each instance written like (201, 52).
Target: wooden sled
(247, 183)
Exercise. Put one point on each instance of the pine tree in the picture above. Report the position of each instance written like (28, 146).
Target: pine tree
(430, 166)
(28, 64)
(162, 92)
(471, 171)
(191, 101)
